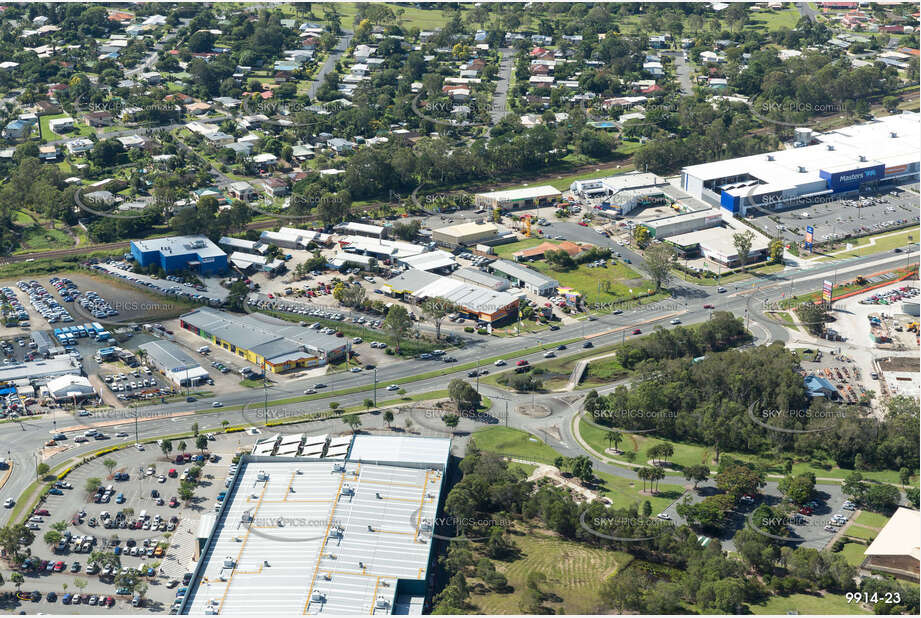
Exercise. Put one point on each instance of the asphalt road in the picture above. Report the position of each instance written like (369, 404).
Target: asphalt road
(330, 63)
(23, 440)
(500, 97)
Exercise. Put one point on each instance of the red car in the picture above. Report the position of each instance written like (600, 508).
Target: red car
(110, 601)
(583, 223)
(58, 566)
(271, 296)
(173, 502)
(637, 331)
(805, 511)
(42, 512)
(522, 363)
(708, 306)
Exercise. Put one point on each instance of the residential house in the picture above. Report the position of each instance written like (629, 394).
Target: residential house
(17, 129)
(132, 141)
(61, 125)
(277, 187)
(339, 145)
(242, 191)
(48, 153)
(79, 145)
(101, 118)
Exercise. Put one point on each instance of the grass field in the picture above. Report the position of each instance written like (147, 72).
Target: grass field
(773, 20)
(871, 519)
(574, 573)
(79, 129)
(853, 553)
(37, 238)
(887, 241)
(861, 532)
(625, 283)
(514, 443)
(623, 492)
(829, 604)
(526, 468)
(562, 182)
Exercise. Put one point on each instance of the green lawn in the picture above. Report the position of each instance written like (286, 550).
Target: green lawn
(871, 519)
(563, 182)
(37, 238)
(887, 241)
(807, 604)
(623, 492)
(773, 20)
(514, 443)
(861, 532)
(505, 251)
(526, 468)
(575, 573)
(47, 134)
(853, 553)
(623, 282)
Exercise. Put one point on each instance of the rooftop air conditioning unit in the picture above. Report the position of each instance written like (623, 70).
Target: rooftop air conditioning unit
(262, 477)
(317, 596)
(893, 134)
(381, 603)
(229, 562)
(801, 169)
(861, 157)
(829, 146)
(770, 157)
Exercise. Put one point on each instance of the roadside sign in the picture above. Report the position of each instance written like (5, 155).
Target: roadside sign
(809, 236)
(826, 291)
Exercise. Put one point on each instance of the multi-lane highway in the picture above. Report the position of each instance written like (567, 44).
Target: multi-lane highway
(24, 439)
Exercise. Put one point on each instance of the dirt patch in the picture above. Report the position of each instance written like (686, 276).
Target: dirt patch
(533, 410)
(899, 363)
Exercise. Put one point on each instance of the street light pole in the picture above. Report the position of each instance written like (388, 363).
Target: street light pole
(375, 387)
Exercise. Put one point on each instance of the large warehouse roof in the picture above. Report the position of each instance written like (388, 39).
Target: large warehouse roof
(467, 295)
(168, 355)
(322, 537)
(470, 228)
(899, 537)
(523, 273)
(873, 140)
(271, 338)
(180, 245)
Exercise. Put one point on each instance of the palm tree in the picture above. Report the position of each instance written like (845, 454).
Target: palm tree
(388, 417)
(657, 474)
(614, 437)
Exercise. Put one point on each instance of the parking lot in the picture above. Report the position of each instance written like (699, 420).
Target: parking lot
(836, 219)
(806, 530)
(134, 515)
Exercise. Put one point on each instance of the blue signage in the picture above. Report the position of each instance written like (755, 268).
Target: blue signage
(851, 179)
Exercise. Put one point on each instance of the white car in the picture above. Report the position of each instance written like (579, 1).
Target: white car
(675, 321)
(393, 387)
(9, 503)
(499, 363)
(217, 404)
(161, 479)
(664, 516)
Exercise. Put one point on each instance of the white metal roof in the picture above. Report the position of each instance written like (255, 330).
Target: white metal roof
(431, 260)
(526, 193)
(405, 449)
(872, 140)
(901, 536)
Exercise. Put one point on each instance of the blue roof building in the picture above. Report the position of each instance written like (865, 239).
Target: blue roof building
(176, 253)
(820, 387)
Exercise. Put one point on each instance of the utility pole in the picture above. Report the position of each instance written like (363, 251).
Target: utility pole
(137, 439)
(478, 376)
(375, 387)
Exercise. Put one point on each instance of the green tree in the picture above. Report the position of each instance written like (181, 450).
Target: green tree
(92, 484)
(201, 443)
(659, 261)
(42, 469)
(109, 465)
(450, 420)
(641, 236)
(697, 473)
(464, 396)
(166, 446)
(353, 421)
(397, 324)
(742, 241)
(388, 417)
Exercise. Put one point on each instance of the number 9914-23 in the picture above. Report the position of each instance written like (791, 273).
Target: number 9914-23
(863, 597)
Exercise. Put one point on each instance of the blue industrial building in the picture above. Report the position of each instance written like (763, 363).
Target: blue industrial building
(821, 166)
(177, 253)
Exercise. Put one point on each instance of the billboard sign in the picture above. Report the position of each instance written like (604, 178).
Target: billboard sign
(826, 291)
(851, 179)
(809, 236)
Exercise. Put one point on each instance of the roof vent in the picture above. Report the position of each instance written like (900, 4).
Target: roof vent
(770, 157)
(829, 147)
(317, 596)
(861, 157)
(381, 603)
(229, 562)
(893, 134)
(801, 169)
